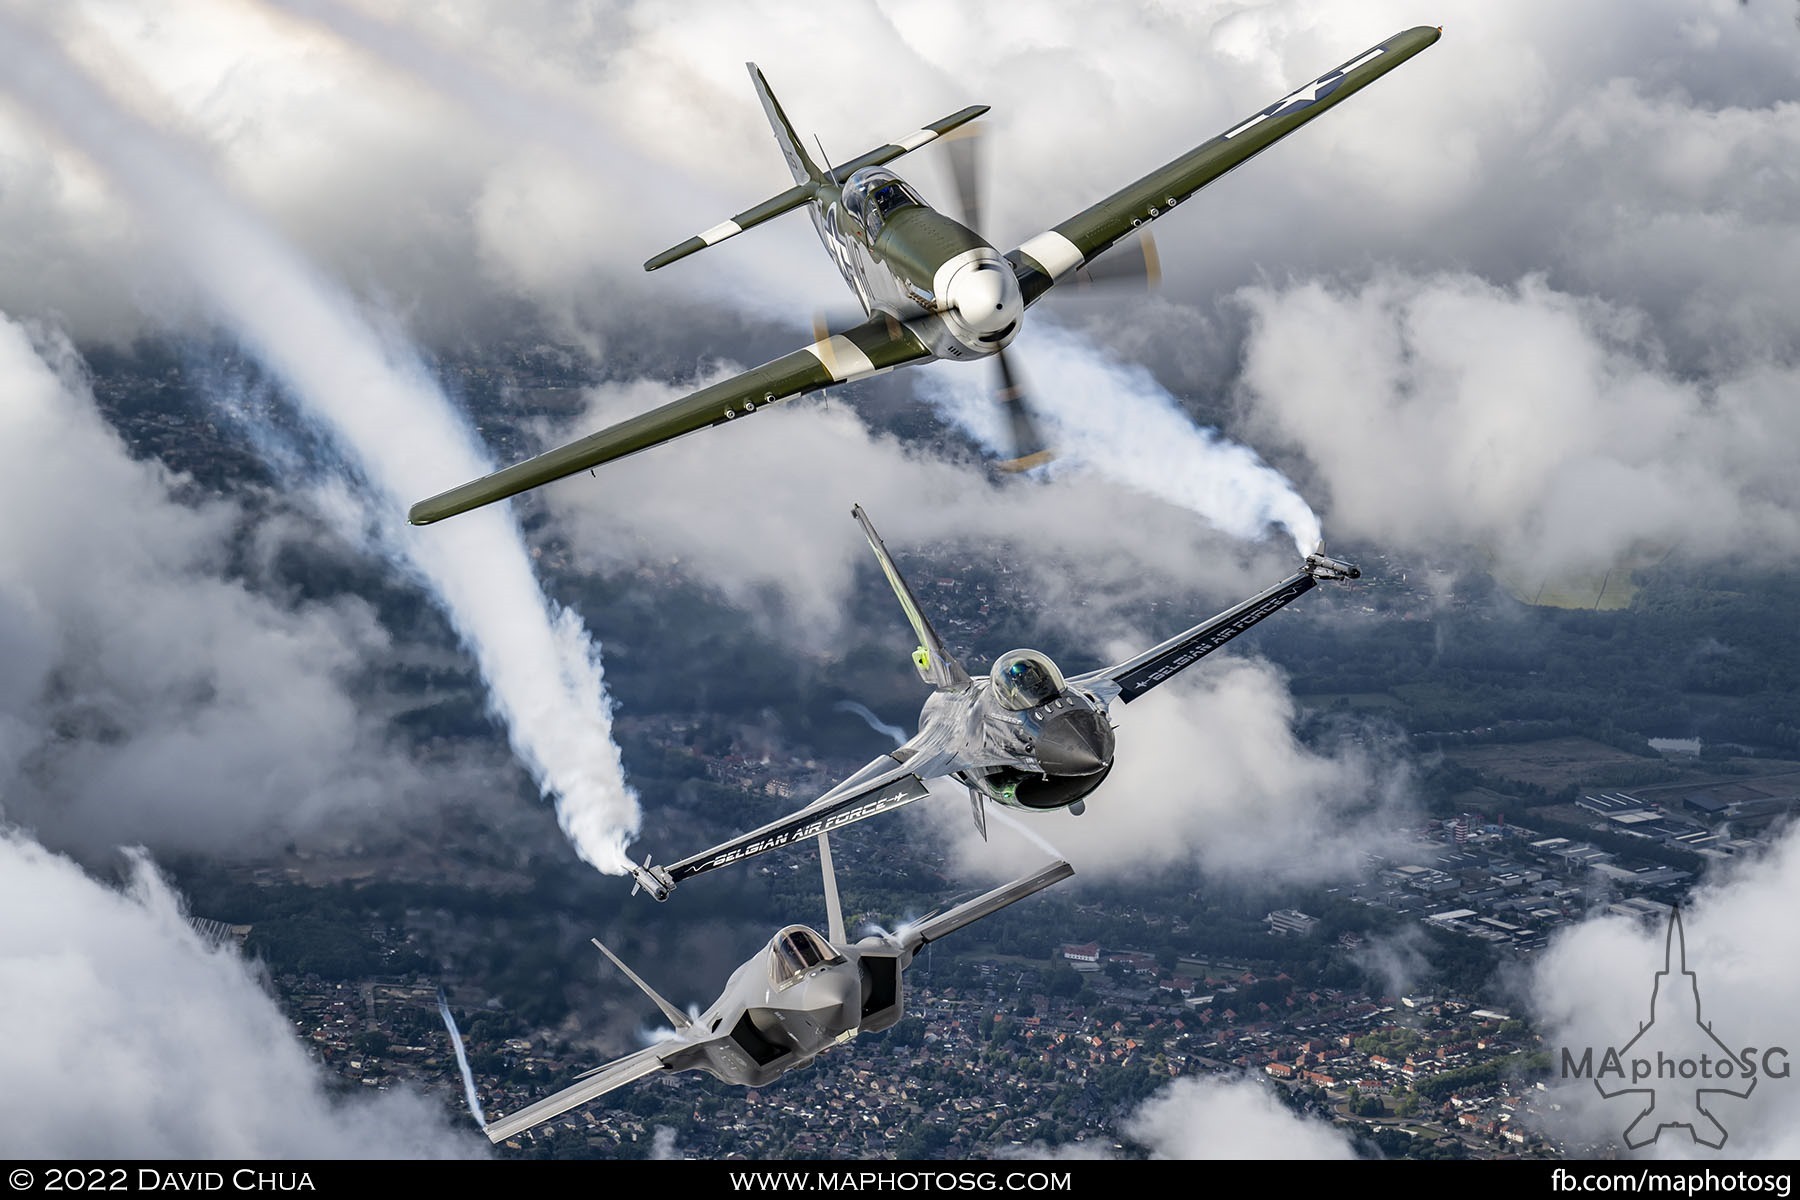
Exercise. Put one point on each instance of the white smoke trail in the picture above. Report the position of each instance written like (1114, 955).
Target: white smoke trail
(1114, 418)
(462, 1061)
(390, 421)
(662, 1144)
(874, 722)
(1025, 831)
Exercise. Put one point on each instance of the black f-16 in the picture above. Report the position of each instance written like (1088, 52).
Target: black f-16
(931, 286)
(1022, 735)
(797, 997)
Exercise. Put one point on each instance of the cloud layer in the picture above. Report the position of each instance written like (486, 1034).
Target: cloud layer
(178, 1050)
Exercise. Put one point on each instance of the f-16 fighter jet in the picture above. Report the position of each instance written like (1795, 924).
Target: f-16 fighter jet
(798, 996)
(931, 286)
(1022, 735)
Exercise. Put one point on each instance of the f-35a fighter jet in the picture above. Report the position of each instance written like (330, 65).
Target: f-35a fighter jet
(931, 286)
(1022, 735)
(797, 997)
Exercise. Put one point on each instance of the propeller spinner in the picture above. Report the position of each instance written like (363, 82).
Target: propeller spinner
(1029, 448)
(982, 302)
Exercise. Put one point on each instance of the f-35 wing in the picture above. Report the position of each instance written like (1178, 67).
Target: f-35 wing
(871, 348)
(597, 1083)
(886, 783)
(1052, 255)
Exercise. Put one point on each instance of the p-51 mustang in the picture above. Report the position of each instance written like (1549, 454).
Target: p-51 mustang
(1020, 736)
(798, 996)
(931, 286)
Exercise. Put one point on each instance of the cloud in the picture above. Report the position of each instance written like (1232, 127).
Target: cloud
(150, 696)
(1204, 1117)
(148, 1043)
(392, 431)
(1431, 425)
(1215, 1117)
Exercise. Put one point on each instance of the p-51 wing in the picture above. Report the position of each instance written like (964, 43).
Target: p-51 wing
(1054, 255)
(877, 345)
(597, 1083)
(884, 784)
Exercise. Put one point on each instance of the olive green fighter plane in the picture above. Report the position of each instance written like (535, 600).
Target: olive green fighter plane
(931, 286)
(1022, 735)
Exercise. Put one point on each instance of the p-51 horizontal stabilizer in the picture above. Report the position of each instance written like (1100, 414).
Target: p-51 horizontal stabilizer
(809, 178)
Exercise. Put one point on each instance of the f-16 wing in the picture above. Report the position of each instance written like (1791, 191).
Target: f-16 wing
(595, 1083)
(913, 937)
(1053, 255)
(1135, 676)
(878, 345)
(886, 783)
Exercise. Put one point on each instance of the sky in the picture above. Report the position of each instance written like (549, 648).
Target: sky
(1531, 298)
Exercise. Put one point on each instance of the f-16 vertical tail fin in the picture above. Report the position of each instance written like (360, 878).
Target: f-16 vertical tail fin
(676, 1017)
(936, 664)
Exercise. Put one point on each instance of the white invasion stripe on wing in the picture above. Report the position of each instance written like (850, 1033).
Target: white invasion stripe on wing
(913, 141)
(842, 358)
(721, 231)
(1053, 252)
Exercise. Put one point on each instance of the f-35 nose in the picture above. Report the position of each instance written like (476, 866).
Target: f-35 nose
(1078, 742)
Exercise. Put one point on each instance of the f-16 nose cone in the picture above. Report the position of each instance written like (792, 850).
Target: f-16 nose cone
(1075, 743)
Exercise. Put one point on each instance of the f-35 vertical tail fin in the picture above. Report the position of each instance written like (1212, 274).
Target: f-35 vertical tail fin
(834, 906)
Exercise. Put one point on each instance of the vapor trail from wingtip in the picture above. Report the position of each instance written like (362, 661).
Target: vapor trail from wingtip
(398, 434)
(462, 1061)
(872, 721)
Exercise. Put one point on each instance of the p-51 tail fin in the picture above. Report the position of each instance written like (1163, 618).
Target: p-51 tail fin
(811, 182)
(798, 160)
